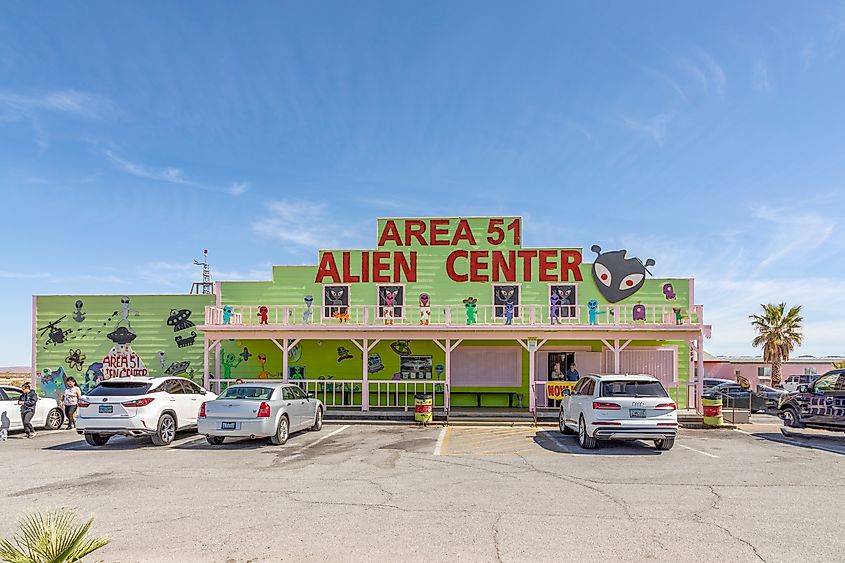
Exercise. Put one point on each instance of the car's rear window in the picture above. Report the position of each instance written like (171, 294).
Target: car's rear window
(251, 393)
(632, 389)
(119, 389)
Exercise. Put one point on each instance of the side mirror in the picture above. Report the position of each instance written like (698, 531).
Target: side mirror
(310, 395)
(803, 388)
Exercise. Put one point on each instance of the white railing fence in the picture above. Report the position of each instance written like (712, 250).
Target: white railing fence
(348, 392)
(453, 315)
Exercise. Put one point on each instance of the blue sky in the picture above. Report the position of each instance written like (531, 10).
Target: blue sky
(709, 138)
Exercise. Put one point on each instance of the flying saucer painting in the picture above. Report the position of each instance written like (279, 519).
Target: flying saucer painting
(121, 335)
(177, 368)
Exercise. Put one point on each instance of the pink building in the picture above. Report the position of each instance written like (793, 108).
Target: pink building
(756, 371)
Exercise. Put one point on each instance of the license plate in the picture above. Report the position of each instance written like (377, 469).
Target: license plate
(228, 426)
(637, 413)
(106, 409)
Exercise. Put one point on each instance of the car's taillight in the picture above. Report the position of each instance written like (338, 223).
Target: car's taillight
(263, 410)
(599, 405)
(202, 411)
(140, 402)
(83, 404)
(666, 406)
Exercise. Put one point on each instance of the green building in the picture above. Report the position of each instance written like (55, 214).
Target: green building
(454, 307)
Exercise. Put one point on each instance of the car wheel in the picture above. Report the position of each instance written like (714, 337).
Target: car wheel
(664, 444)
(215, 440)
(281, 435)
(561, 424)
(54, 419)
(97, 439)
(165, 431)
(790, 418)
(584, 440)
(318, 420)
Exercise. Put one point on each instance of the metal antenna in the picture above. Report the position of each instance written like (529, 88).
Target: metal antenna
(205, 286)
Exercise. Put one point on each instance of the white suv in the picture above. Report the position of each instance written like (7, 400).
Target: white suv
(140, 406)
(619, 407)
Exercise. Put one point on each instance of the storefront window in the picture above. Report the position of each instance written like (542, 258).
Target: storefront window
(391, 295)
(563, 300)
(335, 300)
(502, 295)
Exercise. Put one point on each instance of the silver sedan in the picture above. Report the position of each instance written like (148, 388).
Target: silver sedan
(259, 410)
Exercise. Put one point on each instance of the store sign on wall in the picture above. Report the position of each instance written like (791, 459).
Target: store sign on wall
(122, 361)
(494, 254)
(557, 390)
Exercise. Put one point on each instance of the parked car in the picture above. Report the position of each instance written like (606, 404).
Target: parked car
(773, 396)
(48, 414)
(820, 404)
(713, 382)
(140, 406)
(619, 407)
(734, 396)
(259, 410)
(792, 382)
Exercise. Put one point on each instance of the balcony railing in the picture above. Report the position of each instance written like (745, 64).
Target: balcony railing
(452, 315)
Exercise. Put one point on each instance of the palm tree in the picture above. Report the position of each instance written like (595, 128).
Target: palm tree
(778, 333)
(54, 537)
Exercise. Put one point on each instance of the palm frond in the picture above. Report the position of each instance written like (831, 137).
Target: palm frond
(52, 537)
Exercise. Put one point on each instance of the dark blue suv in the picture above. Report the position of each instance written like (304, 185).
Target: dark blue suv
(818, 405)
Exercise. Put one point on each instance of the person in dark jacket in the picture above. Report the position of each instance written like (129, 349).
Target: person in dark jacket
(27, 401)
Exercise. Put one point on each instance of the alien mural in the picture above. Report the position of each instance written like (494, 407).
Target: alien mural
(502, 295)
(180, 320)
(308, 312)
(471, 306)
(617, 276)
(390, 303)
(425, 309)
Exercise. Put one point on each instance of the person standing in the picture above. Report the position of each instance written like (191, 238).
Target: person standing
(572, 373)
(71, 402)
(27, 401)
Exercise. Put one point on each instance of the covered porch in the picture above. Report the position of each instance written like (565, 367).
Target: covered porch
(470, 357)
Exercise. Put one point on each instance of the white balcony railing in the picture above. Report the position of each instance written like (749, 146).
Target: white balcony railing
(453, 315)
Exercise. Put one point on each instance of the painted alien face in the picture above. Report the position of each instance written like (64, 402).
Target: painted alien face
(617, 276)
(505, 293)
(592, 305)
(335, 293)
(309, 299)
(423, 299)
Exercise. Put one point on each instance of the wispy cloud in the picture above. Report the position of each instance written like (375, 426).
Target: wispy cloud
(307, 224)
(654, 127)
(170, 175)
(706, 71)
(23, 275)
(668, 81)
(794, 233)
(75, 102)
(183, 274)
(760, 75)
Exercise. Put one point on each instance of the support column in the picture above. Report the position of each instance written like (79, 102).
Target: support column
(217, 351)
(447, 392)
(699, 384)
(285, 360)
(205, 375)
(532, 387)
(365, 375)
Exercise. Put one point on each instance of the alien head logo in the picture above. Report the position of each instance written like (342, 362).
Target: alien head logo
(617, 276)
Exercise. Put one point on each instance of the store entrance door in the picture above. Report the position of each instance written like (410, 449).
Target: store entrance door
(562, 365)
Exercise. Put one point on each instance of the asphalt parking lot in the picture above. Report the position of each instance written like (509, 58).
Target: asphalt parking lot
(468, 493)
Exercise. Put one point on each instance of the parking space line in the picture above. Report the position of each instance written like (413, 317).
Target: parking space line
(439, 445)
(329, 435)
(699, 451)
